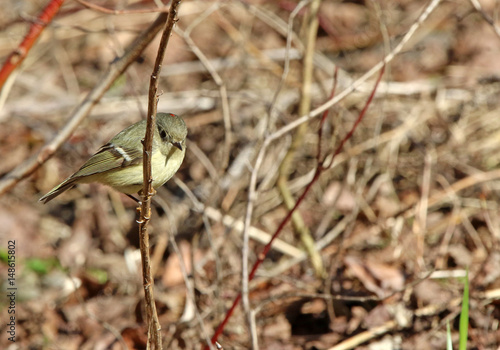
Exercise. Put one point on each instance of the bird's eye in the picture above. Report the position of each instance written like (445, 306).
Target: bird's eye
(163, 134)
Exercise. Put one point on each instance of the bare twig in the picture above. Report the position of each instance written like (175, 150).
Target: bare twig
(153, 325)
(118, 12)
(447, 194)
(487, 18)
(286, 65)
(254, 233)
(363, 337)
(420, 222)
(247, 229)
(217, 79)
(190, 306)
(311, 24)
(246, 233)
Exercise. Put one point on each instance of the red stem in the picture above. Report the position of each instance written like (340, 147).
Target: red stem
(18, 55)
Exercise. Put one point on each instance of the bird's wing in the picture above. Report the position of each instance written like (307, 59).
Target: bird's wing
(109, 157)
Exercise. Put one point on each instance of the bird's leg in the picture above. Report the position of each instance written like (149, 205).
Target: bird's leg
(133, 198)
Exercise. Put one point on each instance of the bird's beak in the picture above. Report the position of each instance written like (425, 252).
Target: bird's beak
(177, 145)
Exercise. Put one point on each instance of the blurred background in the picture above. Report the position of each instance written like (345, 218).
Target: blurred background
(409, 204)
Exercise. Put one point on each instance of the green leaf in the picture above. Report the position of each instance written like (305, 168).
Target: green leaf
(464, 315)
(41, 266)
(3, 255)
(100, 275)
(449, 344)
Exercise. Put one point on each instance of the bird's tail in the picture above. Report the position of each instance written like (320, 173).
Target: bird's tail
(56, 191)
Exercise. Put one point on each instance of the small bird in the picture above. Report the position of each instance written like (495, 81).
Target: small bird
(119, 162)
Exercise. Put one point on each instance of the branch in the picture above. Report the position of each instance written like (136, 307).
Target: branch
(486, 17)
(98, 8)
(153, 325)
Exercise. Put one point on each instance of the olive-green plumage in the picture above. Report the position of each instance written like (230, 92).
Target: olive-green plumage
(119, 162)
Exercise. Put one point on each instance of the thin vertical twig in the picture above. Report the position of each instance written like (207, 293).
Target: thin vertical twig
(420, 222)
(153, 325)
(107, 11)
(246, 234)
(286, 63)
(226, 114)
(188, 280)
(311, 24)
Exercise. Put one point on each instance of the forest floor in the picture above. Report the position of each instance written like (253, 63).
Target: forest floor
(409, 205)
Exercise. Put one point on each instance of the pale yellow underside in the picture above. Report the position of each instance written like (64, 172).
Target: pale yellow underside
(120, 179)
